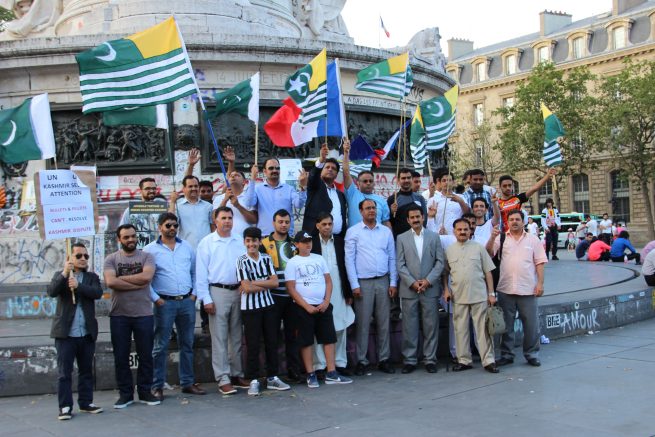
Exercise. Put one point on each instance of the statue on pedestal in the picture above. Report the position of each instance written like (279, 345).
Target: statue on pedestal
(32, 17)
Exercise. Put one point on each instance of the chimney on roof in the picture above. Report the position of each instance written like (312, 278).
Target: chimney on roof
(620, 6)
(551, 21)
(459, 47)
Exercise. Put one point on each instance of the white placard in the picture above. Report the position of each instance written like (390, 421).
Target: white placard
(290, 170)
(67, 220)
(62, 186)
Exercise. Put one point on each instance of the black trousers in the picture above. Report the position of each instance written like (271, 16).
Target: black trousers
(650, 280)
(631, 256)
(80, 349)
(122, 329)
(552, 238)
(285, 311)
(258, 324)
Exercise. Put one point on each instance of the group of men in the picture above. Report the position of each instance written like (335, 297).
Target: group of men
(355, 254)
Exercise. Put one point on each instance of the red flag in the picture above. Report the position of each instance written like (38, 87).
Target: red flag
(278, 127)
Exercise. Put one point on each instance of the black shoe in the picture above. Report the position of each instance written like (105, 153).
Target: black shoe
(320, 374)
(91, 409)
(459, 367)
(491, 368)
(65, 413)
(555, 258)
(534, 362)
(148, 399)
(360, 369)
(123, 401)
(504, 361)
(344, 371)
(453, 360)
(385, 367)
(158, 393)
(408, 368)
(431, 368)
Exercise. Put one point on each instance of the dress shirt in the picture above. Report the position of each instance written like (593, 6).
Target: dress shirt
(215, 258)
(269, 199)
(195, 220)
(418, 241)
(370, 253)
(518, 273)
(337, 220)
(78, 327)
(239, 222)
(175, 270)
(468, 263)
(354, 197)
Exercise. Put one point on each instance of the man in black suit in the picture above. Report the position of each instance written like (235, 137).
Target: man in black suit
(75, 330)
(331, 248)
(323, 195)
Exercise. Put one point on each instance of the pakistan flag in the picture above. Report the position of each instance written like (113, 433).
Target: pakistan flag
(242, 99)
(26, 131)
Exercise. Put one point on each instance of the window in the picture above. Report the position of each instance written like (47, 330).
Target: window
(544, 193)
(508, 102)
(479, 155)
(481, 71)
(581, 193)
(543, 54)
(620, 196)
(618, 38)
(478, 114)
(578, 48)
(510, 64)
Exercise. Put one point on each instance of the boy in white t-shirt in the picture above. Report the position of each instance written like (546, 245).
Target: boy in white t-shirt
(310, 286)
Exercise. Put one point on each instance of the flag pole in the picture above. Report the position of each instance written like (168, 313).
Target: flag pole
(256, 142)
(342, 107)
(202, 106)
(69, 259)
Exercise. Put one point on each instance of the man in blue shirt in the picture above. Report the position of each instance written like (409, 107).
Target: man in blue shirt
(371, 267)
(355, 195)
(175, 302)
(620, 245)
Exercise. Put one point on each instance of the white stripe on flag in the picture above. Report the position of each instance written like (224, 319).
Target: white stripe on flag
(135, 82)
(138, 92)
(163, 98)
(132, 71)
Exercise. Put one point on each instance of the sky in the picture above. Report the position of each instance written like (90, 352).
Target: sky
(484, 22)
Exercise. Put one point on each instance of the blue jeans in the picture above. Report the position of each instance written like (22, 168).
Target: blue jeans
(80, 349)
(122, 328)
(182, 313)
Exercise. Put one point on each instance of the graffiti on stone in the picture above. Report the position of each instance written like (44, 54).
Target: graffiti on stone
(27, 259)
(30, 306)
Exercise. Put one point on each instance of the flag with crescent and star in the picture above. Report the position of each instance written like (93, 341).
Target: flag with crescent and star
(145, 69)
(308, 89)
(417, 141)
(439, 118)
(26, 131)
(153, 116)
(392, 77)
(554, 133)
(243, 98)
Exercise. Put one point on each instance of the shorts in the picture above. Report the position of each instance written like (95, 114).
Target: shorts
(319, 325)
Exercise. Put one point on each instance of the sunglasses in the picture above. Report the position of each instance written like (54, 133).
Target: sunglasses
(81, 255)
(171, 225)
(272, 168)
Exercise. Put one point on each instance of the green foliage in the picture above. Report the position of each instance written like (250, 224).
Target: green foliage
(522, 136)
(5, 15)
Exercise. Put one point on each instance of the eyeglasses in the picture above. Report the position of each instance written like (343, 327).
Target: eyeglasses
(81, 255)
(272, 168)
(149, 188)
(171, 225)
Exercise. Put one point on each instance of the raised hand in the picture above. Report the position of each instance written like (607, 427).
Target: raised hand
(194, 156)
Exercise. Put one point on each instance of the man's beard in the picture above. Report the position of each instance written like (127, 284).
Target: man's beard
(127, 249)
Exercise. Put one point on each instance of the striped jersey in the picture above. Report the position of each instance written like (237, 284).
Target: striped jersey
(255, 270)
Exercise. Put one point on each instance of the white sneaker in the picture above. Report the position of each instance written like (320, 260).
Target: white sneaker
(253, 390)
(276, 383)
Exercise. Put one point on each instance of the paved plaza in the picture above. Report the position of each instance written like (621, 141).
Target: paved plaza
(593, 385)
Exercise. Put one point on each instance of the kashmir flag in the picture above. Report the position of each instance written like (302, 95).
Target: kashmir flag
(335, 121)
(153, 116)
(26, 131)
(392, 77)
(308, 89)
(438, 116)
(243, 99)
(359, 165)
(144, 69)
(417, 143)
(554, 131)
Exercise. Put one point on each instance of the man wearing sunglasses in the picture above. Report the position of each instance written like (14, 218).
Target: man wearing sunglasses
(75, 330)
(172, 291)
(273, 195)
(147, 229)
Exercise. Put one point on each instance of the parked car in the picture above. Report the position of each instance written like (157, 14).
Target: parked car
(569, 220)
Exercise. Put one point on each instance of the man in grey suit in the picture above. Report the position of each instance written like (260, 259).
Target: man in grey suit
(420, 260)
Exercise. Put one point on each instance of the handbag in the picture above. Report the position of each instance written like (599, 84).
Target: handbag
(495, 321)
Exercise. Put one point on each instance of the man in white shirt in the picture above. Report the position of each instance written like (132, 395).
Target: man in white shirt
(445, 207)
(605, 229)
(237, 198)
(592, 225)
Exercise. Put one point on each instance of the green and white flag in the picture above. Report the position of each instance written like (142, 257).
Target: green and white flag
(554, 131)
(26, 131)
(439, 118)
(144, 69)
(308, 89)
(359, 165)
(153, 116)
(243, 99)
(417, 143)
(391, 77)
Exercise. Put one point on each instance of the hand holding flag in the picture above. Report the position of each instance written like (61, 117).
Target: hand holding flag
(554, 133)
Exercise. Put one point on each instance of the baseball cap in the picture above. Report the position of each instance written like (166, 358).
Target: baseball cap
(302, 236)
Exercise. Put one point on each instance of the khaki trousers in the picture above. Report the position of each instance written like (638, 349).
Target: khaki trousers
(477, 313)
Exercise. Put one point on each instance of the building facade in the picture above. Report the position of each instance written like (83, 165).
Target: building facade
(489, 76)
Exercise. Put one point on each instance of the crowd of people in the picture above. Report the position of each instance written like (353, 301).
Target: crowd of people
(357, 258)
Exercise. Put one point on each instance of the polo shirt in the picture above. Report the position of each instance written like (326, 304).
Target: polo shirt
(518, 272)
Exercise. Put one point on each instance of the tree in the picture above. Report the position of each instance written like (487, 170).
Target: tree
(522, 138)
(625, 125)
(5, 15)
(476, 147)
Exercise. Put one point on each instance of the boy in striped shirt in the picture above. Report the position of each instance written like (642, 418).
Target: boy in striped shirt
(256, 274)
